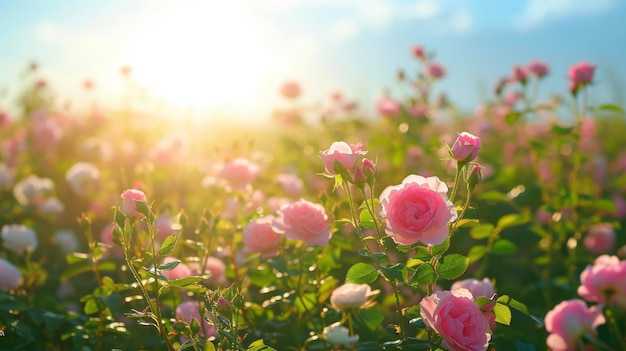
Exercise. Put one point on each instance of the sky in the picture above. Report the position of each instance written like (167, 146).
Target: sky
(231, 57)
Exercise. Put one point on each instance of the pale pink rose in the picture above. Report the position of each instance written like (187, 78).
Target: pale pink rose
(388, 107)
(350, 296)
(568, 321)
(83, 178)
(538, 68)
(182, 270)
(435, 70)
(342, 152)
(480, 288)
(417, 210)
(10, 276)
(259, 237)
(238, 173)
(291, 184)
(215, 267)
(466, 147)
(607, 274)
(164, 226)
(290, 90)
(303, 220)
(600, 238)
(19, 238)
(129, 207)
(275, 203)
(190, 310)
(456, 317)
(32, 190)
(418, 110)
(170, 149)
(47, 134)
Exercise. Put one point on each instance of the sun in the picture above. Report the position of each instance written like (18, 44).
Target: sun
(199, 54)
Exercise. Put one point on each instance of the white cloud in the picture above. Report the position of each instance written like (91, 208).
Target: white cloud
(345, 28)
(538, 12)
(426, 9)
(47, 32)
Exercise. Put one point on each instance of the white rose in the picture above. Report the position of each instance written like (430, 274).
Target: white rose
(350, 296)
(10, 276)
(18, 238)
(338, 335)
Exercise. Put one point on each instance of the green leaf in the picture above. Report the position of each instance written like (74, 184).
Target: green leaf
(441, 248)
(494, 195)
(183, 282)
(396, 272)
(366, 219)
(558, 130)
(466, 221)
(608, 108)
(453, 266)
(142, 207)
(503, 314)
(361, 273)
(512, 117)
(503, 247)
(208, 346)
(482, 231)
(476, 253)
(424, 274)
(509, 301)
(372, 318)
(512, 220)
(168, 245)
(168, 266)
(258, 345)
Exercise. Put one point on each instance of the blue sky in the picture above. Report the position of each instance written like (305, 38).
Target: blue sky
(231, 56)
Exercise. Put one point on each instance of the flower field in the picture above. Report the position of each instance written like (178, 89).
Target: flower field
(420, 228)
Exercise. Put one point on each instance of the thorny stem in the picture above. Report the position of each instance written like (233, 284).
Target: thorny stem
(393, 284)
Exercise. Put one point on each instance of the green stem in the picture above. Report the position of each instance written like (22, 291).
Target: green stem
(457, 177)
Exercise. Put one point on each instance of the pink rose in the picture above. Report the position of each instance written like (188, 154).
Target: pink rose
(568, 321)
(180, 271)
(344, 153)
(417, 210)
(466, 147)
(238, 173)
(291, 184)
(350, 296)
(519, 74)
(388, 107)
(164, 226)
(303, 220)
(600, 238)
(215, 267)
(259, 237)
(291, 90)
(480, 288)
(456, 317)
(129, 207)
(538, 68)
(435, 70)
(10, 276)
(418, 52)
(607, 274)
(580, 75)
(189, 310)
